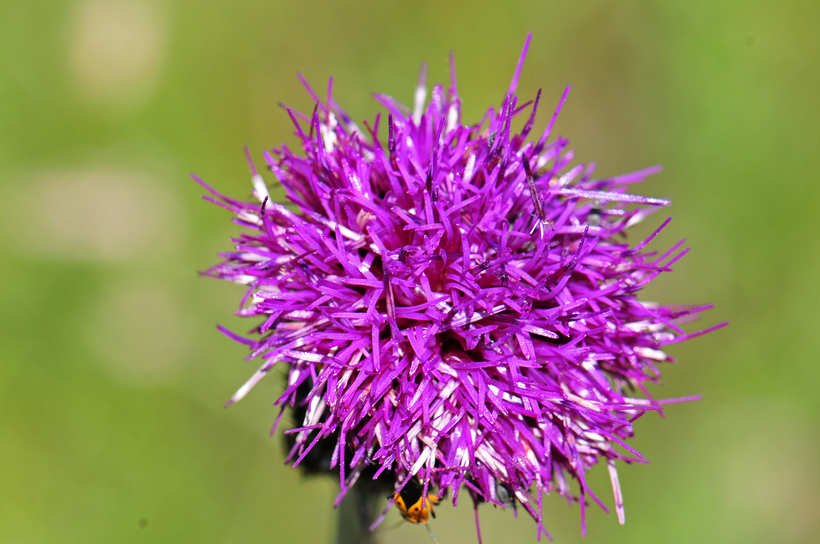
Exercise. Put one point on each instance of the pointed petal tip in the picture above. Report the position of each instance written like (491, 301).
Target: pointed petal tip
(420, 95)
(521, 58)
(250, 161)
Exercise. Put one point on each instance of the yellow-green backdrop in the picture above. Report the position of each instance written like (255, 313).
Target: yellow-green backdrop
(113, 377)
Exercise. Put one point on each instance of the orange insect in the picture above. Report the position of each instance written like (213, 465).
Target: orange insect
(409, 502)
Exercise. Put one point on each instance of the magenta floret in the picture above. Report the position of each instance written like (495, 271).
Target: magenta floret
(453, 302)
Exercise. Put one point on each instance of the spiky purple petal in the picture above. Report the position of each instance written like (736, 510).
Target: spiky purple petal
(458, 303)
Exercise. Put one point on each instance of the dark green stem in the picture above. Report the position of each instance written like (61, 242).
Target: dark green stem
(357, 511)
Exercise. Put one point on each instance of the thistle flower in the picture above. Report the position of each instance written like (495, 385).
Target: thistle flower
(452, 302)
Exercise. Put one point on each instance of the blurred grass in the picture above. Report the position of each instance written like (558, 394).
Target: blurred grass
(113, 378)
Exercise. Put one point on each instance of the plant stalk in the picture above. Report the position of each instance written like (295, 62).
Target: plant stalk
(357, 511)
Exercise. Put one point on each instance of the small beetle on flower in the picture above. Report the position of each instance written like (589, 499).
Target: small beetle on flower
(455, 305)
(414, 506)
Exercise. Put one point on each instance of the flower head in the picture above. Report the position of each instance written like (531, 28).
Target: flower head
(452, 302)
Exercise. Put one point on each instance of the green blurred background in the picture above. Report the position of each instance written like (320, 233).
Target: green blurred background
(113, 377)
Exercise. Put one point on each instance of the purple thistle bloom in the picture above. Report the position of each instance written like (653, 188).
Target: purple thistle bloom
(453, 302)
